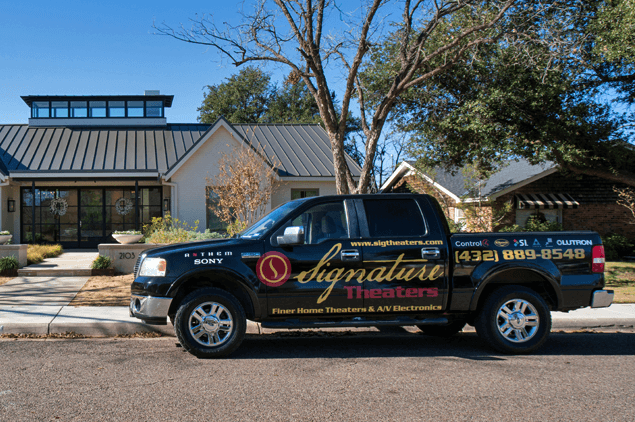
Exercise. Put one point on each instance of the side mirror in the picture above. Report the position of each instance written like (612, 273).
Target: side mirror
(292, 236)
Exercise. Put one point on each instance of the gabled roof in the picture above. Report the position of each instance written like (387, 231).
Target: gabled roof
(302, 150)
(512, 175)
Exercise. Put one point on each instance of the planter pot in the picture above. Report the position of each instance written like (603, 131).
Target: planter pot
(9, 273)
(103, 271)
(126, 239)
(4, 238)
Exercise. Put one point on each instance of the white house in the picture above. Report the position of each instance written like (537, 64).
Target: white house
(85, 166)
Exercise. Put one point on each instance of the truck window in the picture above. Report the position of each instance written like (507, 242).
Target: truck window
(324, 221)
(394, 218)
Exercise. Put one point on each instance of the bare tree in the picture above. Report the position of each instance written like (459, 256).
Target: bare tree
(626, 198)
(243, 186)
(308, 35)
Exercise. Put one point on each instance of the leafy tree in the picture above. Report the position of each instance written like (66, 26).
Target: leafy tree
(538, 96)
(317, 40)
(242, 98)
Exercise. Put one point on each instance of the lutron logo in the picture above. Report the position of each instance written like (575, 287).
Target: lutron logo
(273, 269)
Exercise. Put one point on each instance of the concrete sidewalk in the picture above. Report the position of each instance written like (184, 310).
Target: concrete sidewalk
(110, 321)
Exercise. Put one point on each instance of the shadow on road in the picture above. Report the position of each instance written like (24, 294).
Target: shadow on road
(465, 345)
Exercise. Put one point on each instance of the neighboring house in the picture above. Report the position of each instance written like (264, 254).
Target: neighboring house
(85, 166)
(578, 202)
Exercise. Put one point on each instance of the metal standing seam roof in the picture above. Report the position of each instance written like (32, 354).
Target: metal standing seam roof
(300, 150)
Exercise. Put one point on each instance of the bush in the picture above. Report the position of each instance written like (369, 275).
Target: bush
(172, 230)
(38, 253)
(9, 263)
(616, 246)
(101, 263)
(534, 225)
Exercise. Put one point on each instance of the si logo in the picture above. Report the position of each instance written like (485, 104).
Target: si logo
(273, 269)
(520, 243)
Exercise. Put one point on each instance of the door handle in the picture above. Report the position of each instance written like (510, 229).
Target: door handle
(350, 255)
(432, 253)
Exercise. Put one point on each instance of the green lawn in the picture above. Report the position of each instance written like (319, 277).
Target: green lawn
(620, 276)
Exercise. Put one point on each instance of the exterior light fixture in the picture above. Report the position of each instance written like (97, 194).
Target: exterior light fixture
(11, 205)
(166, 204)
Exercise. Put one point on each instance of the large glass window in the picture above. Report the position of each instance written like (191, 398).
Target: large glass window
(40, 109)
(116, 109)
(393, 218)
(154, 108)
(214, 223)
(135, 108)
(97, 108)
(59, 109)
(79, 109)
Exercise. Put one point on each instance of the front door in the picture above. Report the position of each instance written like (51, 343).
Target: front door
(91, 218)
(318, 269)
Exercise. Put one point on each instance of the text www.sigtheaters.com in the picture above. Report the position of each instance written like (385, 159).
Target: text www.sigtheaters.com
(384, 243)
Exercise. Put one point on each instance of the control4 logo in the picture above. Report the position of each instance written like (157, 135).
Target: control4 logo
(273, 269)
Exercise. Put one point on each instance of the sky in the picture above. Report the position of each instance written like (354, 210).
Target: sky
(105, 48)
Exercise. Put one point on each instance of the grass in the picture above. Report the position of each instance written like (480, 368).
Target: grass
(620, 277)
(37, 253)
(105, 291)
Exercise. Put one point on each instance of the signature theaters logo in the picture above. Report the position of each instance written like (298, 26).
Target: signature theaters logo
(273, 269)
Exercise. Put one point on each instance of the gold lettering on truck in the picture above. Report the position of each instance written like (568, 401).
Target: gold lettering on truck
(398, 269)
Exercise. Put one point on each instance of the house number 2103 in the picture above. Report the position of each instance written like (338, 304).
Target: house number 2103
(126, 255)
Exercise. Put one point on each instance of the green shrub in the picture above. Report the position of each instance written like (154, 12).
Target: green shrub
(9, 263)
(616, 246)
(172, 230)
(206, 235)
(101, 263)
(534, 225)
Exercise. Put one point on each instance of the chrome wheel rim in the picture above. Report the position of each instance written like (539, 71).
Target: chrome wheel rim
(211, 324)
(517, 321)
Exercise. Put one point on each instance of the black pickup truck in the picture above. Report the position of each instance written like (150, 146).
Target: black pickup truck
(368, 260)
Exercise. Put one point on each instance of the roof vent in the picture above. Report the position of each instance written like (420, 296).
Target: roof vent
(152, 92)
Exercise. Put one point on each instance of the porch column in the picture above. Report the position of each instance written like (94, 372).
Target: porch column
(33, 212)
(136, 205)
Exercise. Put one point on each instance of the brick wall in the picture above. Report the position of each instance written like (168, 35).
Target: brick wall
(598, 209)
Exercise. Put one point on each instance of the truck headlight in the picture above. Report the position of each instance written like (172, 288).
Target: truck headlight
(153, 267)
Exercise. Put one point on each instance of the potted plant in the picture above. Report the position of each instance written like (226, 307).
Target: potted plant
(101, 266)
(5, 236)
(127, 237)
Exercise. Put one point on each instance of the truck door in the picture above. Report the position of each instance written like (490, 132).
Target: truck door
(404, 256)
(318, 268)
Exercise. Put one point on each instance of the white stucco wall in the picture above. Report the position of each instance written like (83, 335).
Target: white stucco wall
(191, 180)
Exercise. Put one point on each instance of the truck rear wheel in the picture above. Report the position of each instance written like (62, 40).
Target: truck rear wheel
(442, 330)
(515, 320)
(210, 323)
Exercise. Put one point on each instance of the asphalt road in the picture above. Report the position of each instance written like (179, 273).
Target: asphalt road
(356, 377)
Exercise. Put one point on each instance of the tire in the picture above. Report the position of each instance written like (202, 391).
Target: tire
(514, 320)
(224, 327)
(442, 330)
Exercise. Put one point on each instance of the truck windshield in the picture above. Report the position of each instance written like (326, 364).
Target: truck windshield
(270, 220)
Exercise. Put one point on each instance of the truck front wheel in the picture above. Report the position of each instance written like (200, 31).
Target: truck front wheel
(210, 323)
(515, 320)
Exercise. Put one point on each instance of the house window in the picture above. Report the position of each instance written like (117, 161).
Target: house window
(154, 108)
(79, 109)
(304, 193)
(116, 109)
(551, 215)
(59, 109)
(135, 108)
(459, 215)
(213, 222)
(97, 108)
(40, 109)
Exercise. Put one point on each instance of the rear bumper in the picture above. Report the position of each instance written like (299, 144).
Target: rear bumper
(152, 310)
(602, 298)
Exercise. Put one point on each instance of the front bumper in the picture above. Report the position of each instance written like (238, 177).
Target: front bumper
(152, 310)
(602, 298)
